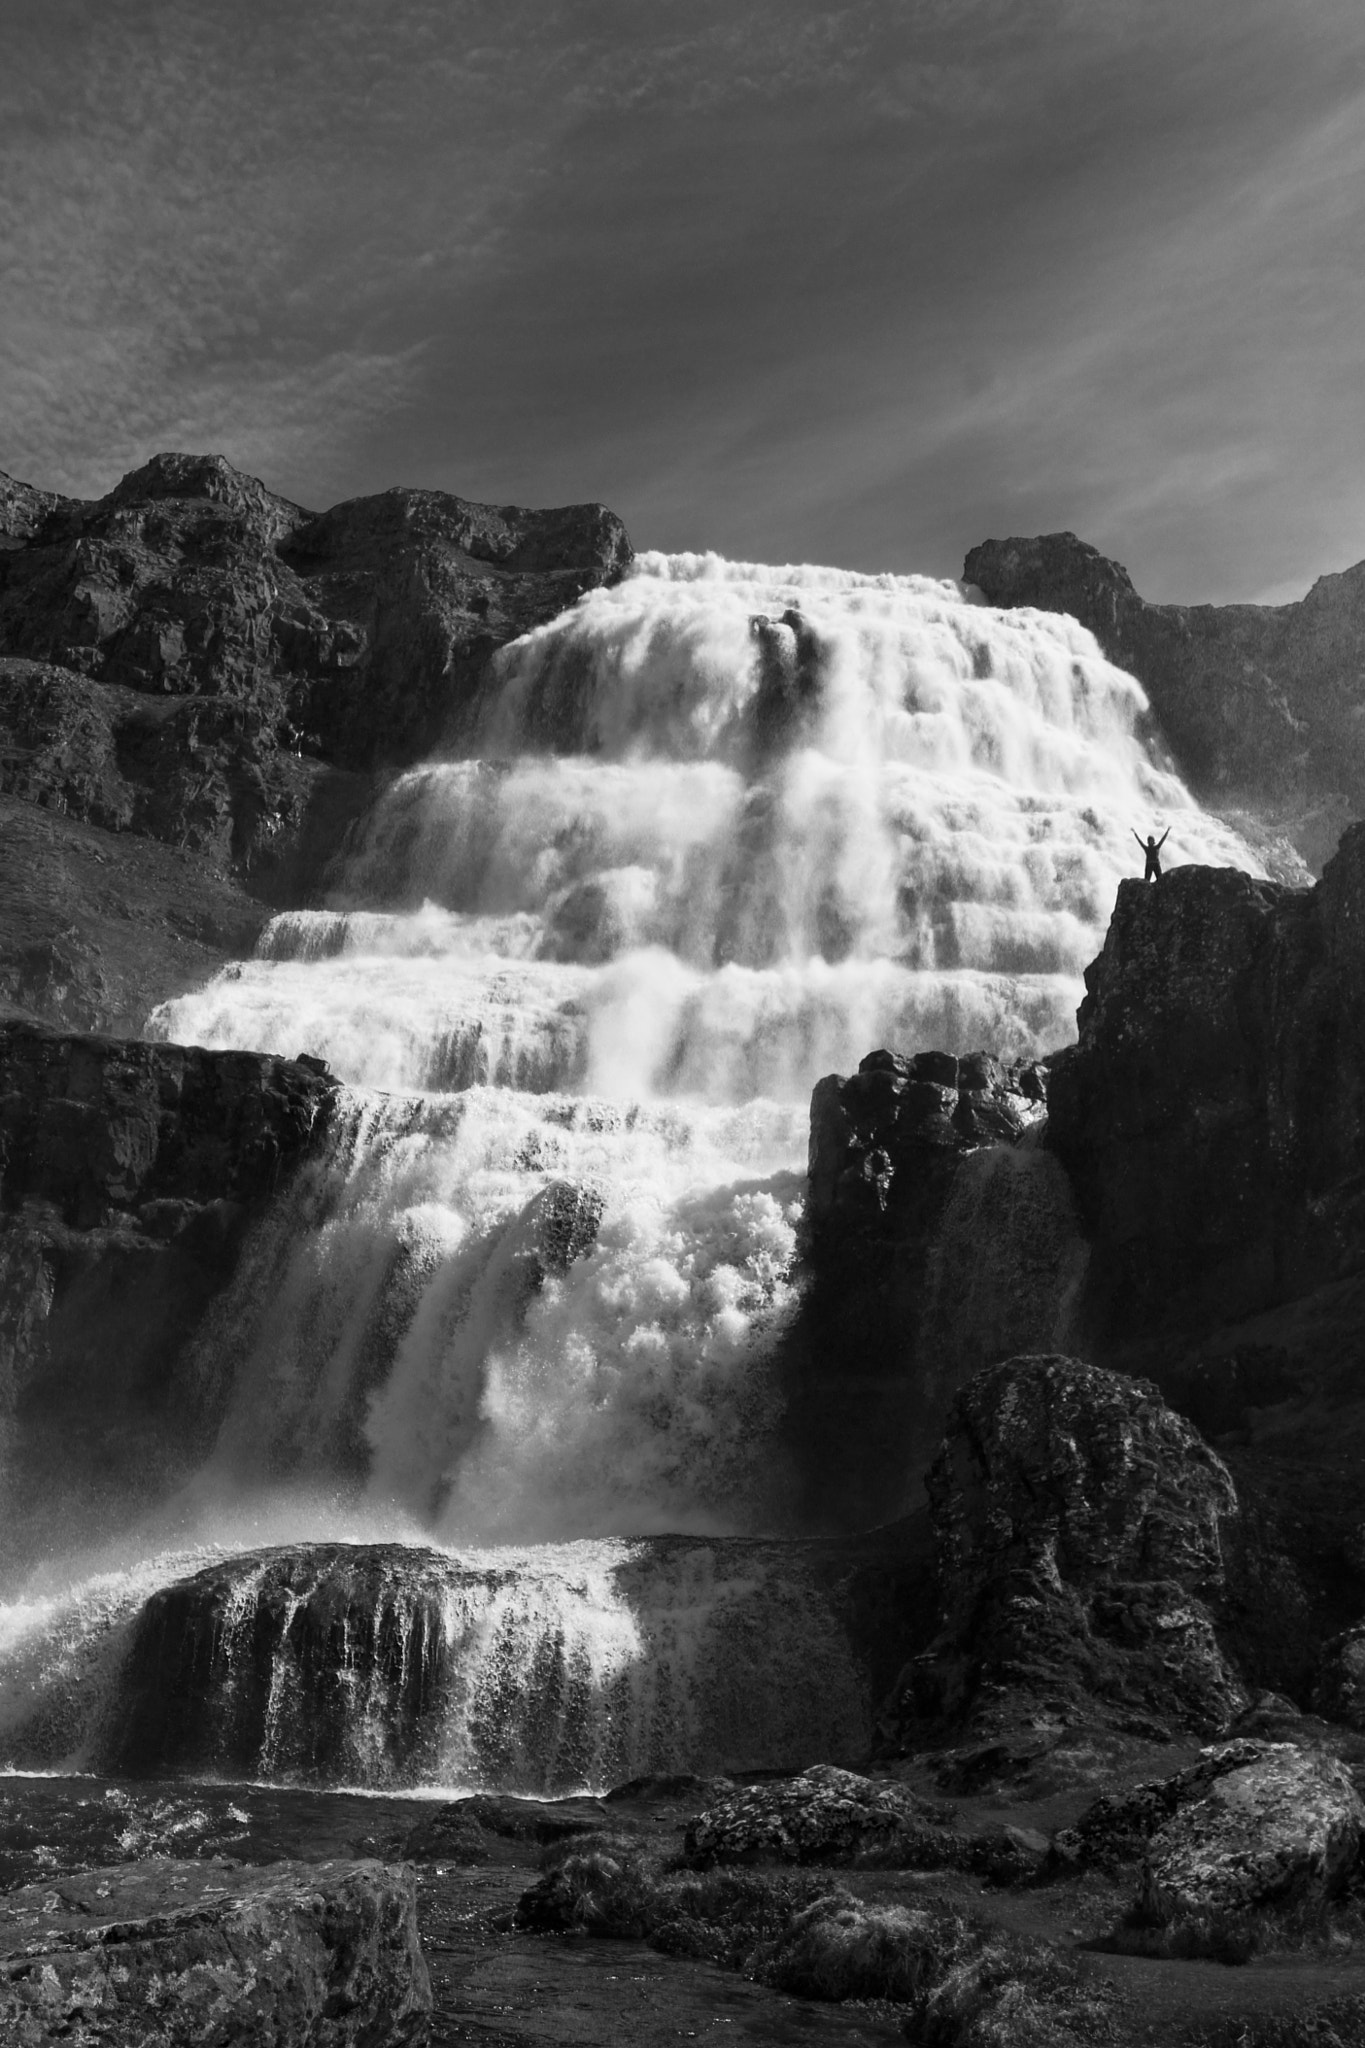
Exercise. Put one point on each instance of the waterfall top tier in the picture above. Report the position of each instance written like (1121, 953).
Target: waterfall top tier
(719, 829)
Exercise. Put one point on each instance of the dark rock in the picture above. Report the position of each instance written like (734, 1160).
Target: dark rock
(1339, 1686)
(195, 659)
(916, 1166)
(368, 626)
(129, 1176)
(1257, 700)
(205, 1954)
(1212, 1116)
(824, 1815)
(331, 1663)
(1080, 1532)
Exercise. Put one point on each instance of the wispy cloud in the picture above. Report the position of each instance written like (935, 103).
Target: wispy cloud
(863, 280)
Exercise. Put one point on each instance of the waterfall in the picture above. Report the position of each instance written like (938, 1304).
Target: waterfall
(719, 830)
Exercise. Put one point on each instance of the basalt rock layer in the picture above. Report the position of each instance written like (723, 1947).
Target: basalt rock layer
(1258, 701)
(194, 659)
(129, 1176)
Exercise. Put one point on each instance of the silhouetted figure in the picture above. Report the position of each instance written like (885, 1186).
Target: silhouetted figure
(1152, 849)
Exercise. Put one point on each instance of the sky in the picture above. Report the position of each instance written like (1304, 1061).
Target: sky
(861, 284)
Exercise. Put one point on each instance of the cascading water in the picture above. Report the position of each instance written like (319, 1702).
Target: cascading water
(721, 830)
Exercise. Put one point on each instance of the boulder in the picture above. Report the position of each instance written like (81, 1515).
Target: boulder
(203, 1954)
(916, 1164)
(1080, 1527)
(1115, 1827)
(1252, 698)
(825, 1815)
(1284, 1827)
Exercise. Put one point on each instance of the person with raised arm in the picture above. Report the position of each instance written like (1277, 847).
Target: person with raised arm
(1152, 849)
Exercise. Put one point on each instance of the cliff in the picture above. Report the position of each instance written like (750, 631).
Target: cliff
(130, 1175)
(196, 662)
(1261, 703)
(1212, 1115)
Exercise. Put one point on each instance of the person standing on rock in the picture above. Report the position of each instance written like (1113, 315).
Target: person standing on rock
(1152, 849)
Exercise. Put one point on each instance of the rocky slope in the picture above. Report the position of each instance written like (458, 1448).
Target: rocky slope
(194, 661)
(1262, 704)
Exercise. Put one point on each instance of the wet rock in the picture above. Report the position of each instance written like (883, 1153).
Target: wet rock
(1249, 696)
(1080, 1542)
(100, 1127)
(329, 1663)
(1212, 1115)
(393, 1665)
(825, 1815)
(207, 1953)
(916, 1166)
(1285, 1826)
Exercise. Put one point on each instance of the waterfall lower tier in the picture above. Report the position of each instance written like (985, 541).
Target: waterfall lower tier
(539, 1672)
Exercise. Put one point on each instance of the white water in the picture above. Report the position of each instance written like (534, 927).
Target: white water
(705, 853)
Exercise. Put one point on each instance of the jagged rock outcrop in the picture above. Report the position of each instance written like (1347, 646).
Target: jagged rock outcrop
(1080, 1529)
(940, 1237)
(1212, 1116)
(366, 627)
(321, 1955)
(129, 1176)
(195, 659)
(1258, 701)
(1286, 1826)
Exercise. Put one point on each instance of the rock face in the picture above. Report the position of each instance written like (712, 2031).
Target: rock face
(194, 659)
(203, 1954)
(1257, 700)
(1212, 1116)
(1287, 1826)
(1080, 1542)
(129, 1176)
(917, 1166)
